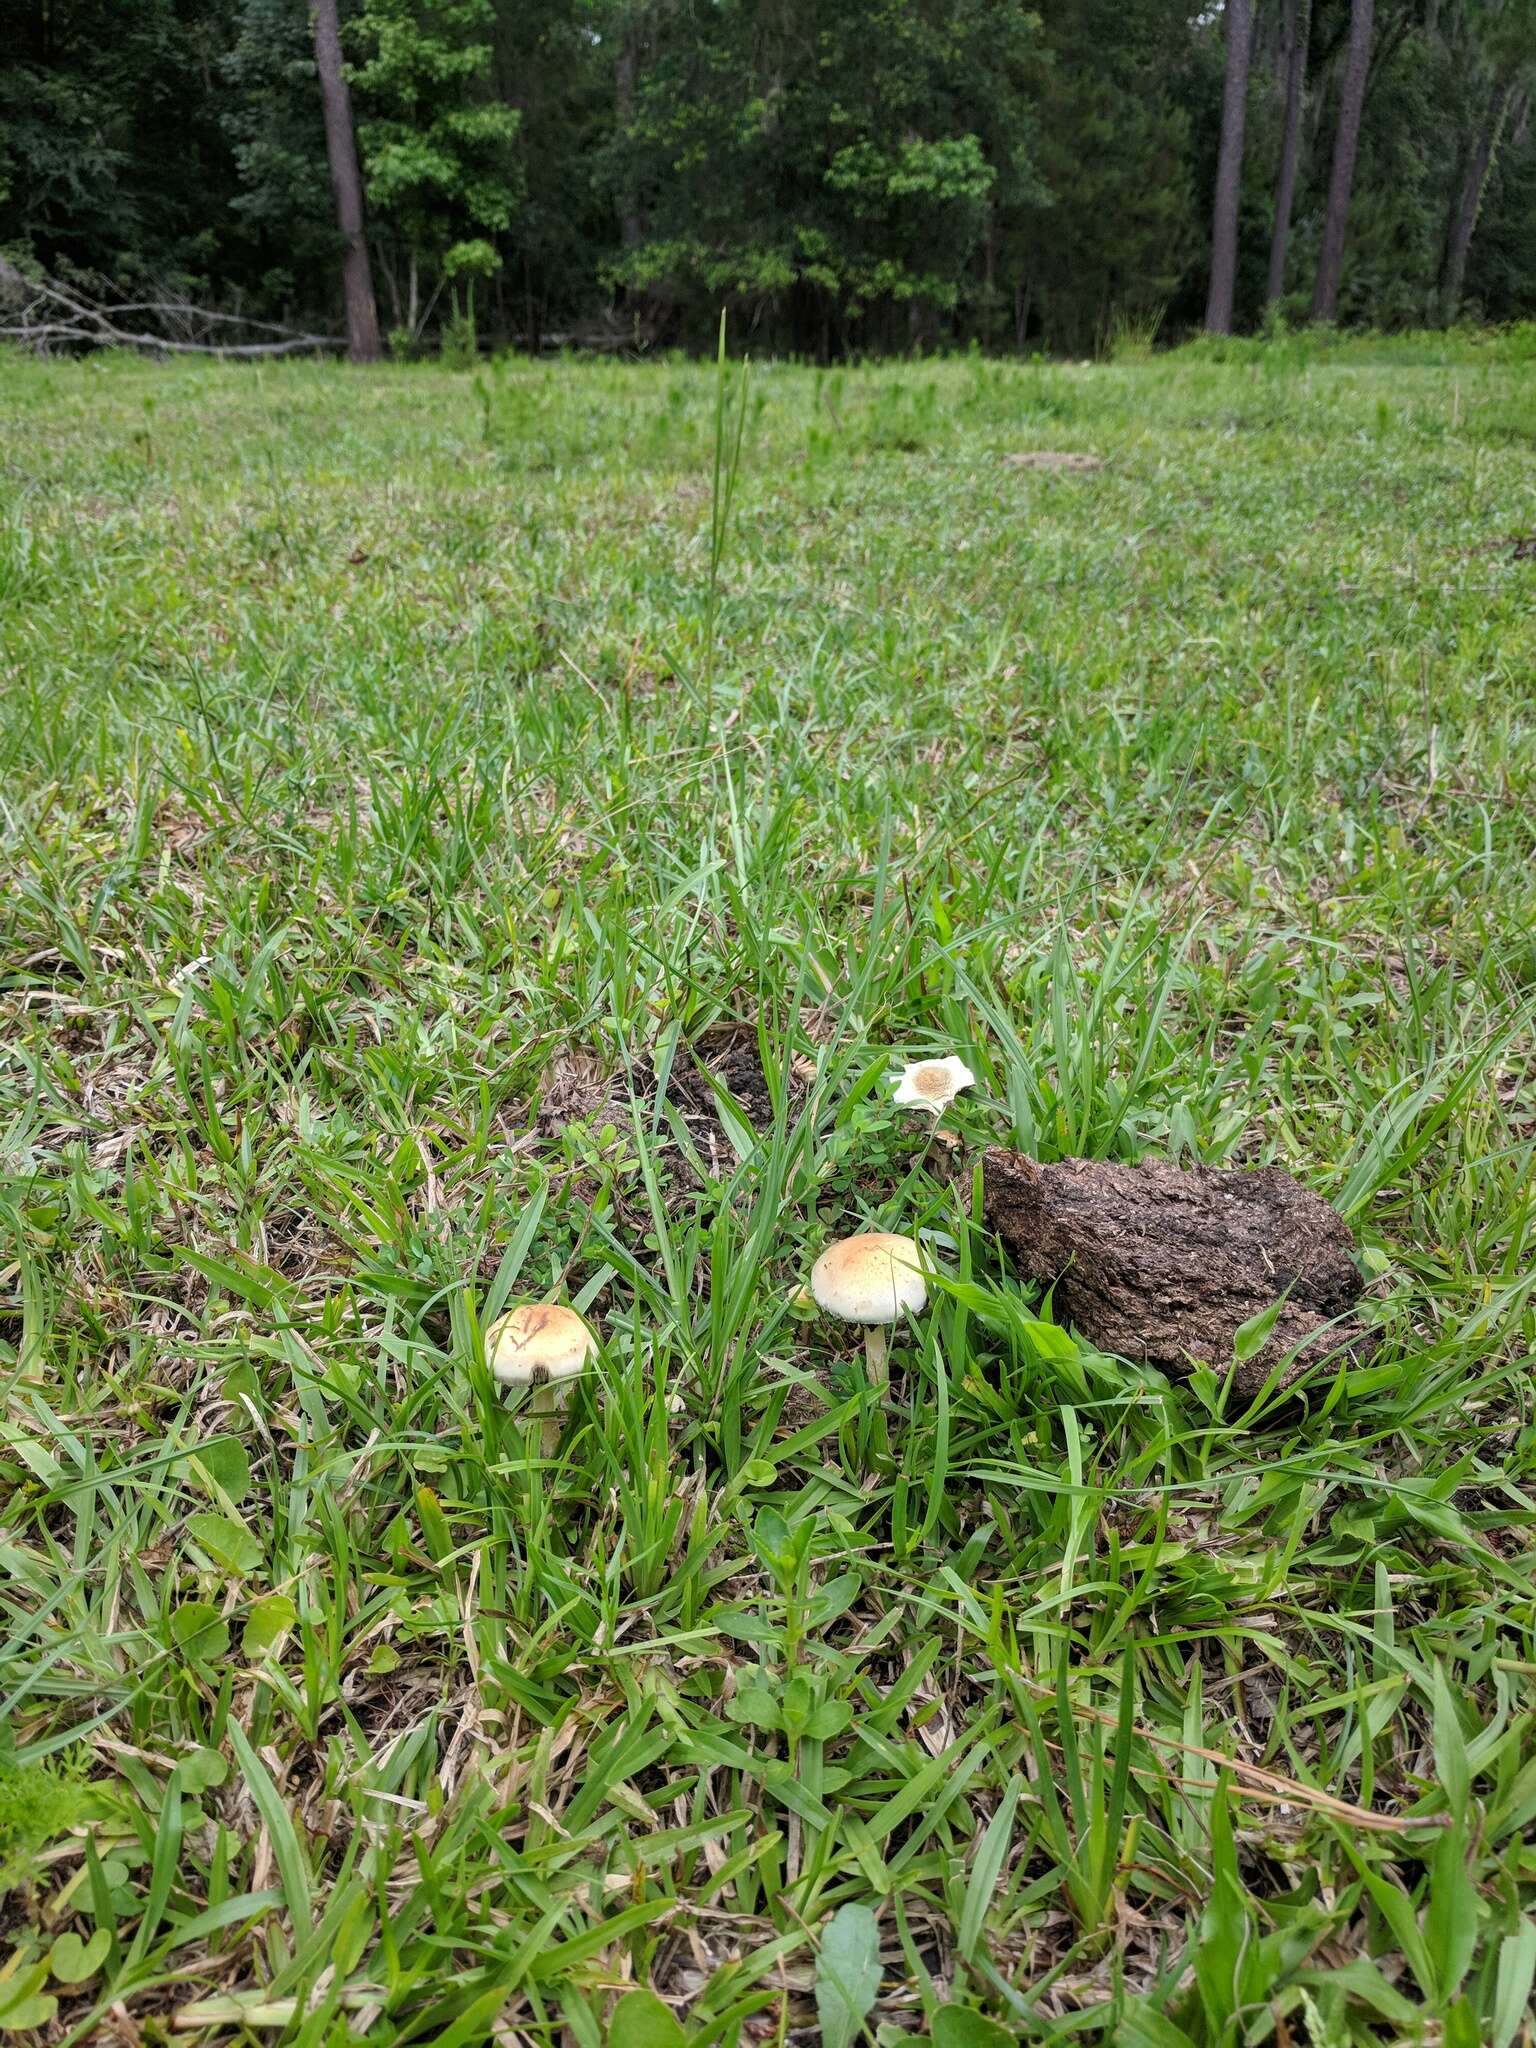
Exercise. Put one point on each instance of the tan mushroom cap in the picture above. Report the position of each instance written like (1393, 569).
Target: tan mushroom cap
(932, 1079)
(537, 1344)
(870, 1279)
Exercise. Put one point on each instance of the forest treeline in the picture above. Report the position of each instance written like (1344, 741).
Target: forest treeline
(844, 174)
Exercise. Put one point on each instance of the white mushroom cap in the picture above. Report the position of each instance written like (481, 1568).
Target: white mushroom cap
(537, 1344)
(932, 1084)
(870, 1279)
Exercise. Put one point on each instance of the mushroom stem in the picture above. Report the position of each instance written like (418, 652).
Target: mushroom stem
(874, 1356)
(544, 1407)
(923, 1156)
(880, 1381)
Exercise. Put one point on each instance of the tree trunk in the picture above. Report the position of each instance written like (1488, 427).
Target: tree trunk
(627, 71)
(346, 184)
(1464, 220)
(1346, 142)
(392, 287)
(1298, 29)
(1229, 168)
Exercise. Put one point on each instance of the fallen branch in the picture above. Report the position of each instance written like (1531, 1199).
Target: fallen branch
(115, 338)
(49, 314)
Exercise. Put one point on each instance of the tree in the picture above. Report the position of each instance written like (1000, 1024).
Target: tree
(1469, 200)
(438, 145)
(89, 92)
(1492, 44)
(272, 117)
(626, 72)
(824, 161)
(1298, 27)
(61, 181)
(554, 65)
(1346, 144)
(1229, 167)
(853, 174)
(346, 185)
(1501, 261)
(1113, 228)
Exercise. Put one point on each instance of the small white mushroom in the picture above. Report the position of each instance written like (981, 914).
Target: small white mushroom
(543, 1346)
(874, 1280)
(932, 1084)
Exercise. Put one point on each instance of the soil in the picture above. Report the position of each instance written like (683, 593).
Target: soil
(1520, 547)
(730, 1054)
(579, 1086)
(1162, 1264)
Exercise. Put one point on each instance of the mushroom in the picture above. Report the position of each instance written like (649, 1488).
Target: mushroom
(543, 1346)
(873, 1280)
(932, 1084)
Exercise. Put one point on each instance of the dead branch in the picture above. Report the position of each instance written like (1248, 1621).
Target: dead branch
(46, 314)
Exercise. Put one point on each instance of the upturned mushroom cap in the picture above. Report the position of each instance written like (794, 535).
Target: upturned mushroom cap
(932, 1084)
(870, 1279)
(537, 1344)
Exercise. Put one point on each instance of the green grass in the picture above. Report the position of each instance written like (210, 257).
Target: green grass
(413, 794)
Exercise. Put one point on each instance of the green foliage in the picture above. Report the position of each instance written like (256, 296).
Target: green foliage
(271, 118)
(89, 92)
(847, 1974)
(1111, 234)
(58, 173)
(640, 2020)
(851, 175)
(37, 1802)
(852, 156)
(437, 146)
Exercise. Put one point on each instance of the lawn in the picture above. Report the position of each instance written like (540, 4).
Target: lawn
(459, 850)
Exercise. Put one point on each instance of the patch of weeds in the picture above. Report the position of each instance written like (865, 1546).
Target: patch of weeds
(38, 1802)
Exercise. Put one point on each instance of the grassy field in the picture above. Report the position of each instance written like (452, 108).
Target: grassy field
(450, 861)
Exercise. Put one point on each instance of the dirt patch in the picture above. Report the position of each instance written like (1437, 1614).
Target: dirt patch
(579, 1086)
(729, 1054)
(1071, 460)
(1520, 547)
(1162, 1263)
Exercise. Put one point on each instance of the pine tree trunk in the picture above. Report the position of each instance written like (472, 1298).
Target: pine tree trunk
(626, 72)
(1464, 220)
(1298, 29)
(1346, 143)
(1229, 167)
(346, 184)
